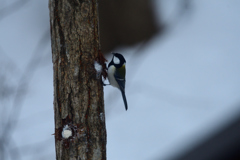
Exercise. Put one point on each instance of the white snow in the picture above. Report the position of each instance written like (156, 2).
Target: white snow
(98, 68)
(101, 116)
(66, 132)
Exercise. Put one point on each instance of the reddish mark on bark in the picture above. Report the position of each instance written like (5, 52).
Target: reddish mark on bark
(102, 61)
(58, 134)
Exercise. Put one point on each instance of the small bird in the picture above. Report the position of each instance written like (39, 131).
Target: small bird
(116, 74)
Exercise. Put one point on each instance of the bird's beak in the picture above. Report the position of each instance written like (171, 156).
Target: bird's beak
(113, 53)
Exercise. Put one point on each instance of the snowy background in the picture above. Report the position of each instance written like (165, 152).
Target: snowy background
(181, 87)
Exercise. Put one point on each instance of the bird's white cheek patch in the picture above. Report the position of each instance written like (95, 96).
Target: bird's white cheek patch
(116, 60)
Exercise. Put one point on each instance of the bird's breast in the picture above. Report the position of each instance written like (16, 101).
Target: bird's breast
(111, 78)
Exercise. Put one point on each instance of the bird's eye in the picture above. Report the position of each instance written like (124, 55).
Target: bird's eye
(116, 60)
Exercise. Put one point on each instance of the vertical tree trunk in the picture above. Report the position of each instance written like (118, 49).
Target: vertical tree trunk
(78, 94)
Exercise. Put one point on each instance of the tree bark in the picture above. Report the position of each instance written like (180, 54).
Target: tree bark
(78, 93)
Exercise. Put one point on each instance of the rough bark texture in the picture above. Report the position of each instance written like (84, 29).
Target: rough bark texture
(78, 94)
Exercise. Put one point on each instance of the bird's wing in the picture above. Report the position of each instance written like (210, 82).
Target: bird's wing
(120, 77)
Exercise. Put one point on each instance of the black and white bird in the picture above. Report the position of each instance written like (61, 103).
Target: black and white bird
(116, 74)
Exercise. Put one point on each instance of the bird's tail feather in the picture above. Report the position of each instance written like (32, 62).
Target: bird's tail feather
(124, 99)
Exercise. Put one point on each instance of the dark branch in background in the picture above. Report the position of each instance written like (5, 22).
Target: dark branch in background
(7, 68)
(130, 22)
(222, 145)
(10, 124)
(4, 12)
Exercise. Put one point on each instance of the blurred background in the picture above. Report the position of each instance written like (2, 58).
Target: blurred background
(182, 81)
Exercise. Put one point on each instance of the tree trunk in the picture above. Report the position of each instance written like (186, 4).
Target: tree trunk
(78, 92)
